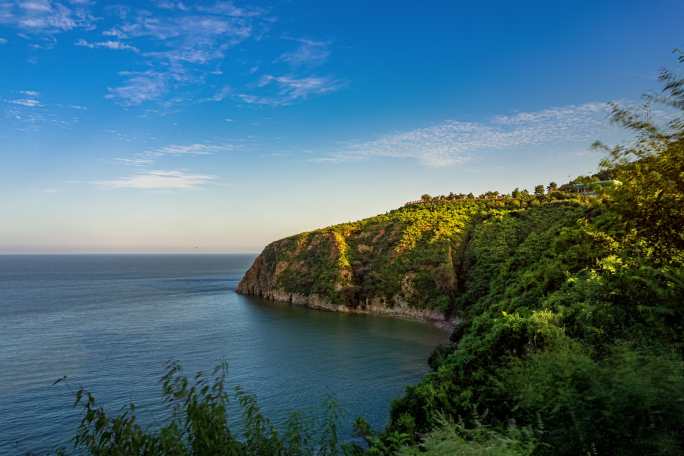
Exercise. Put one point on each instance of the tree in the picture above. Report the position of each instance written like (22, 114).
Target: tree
(515, 193)
(426, 198)
(552, 187)
(650, 197)
(539, 190)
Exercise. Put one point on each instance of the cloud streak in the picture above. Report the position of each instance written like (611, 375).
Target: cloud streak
(30, 99)
(134, 161)
(307, 53)
(157, 180)
(27, 102)
(181, 47)
(28, 113)
(109, 44)
(46, 16)
(452, 142)
(139, 88)
(188, 149)
(289, 89)
(149, 156)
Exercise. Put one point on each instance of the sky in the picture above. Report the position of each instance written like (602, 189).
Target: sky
(217, 126)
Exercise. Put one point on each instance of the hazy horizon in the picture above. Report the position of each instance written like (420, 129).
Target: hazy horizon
(218, 127)
(122, 252)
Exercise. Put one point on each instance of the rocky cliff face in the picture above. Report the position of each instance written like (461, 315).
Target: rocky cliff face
(400, 264)
(415, 262)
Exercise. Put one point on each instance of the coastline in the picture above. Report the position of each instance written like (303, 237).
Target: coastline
(316, 302)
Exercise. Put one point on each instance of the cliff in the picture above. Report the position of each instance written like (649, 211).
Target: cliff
(407, 263)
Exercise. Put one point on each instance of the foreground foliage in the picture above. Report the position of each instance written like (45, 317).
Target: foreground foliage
(451, 439)
(200, 425)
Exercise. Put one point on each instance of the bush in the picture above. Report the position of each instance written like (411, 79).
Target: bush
(199, 425)
(628, 403)
(451, 439)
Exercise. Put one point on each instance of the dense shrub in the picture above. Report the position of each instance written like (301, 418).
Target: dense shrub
(199, 424)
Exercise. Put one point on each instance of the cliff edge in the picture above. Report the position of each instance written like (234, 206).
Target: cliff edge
(408, 263)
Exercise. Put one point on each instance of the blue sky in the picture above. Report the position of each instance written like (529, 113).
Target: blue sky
(215, 126)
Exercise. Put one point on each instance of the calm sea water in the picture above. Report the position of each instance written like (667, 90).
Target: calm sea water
(109, 322)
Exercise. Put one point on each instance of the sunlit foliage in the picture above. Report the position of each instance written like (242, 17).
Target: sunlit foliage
(574, 315)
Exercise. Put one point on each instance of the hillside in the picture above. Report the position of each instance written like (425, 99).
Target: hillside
(566, 308)
(412, 262)
(572, 339)
(567, 305)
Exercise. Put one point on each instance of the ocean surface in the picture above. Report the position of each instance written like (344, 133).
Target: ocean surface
(110, 322)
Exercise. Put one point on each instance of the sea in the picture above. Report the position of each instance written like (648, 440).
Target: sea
(110, 323)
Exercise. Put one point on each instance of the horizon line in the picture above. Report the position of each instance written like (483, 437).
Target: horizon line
(42, 253)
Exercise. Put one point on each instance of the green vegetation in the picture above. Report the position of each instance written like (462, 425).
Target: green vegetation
(408, 257)
(450, 439)
(199, 424)
(569, 305)
(573, 312)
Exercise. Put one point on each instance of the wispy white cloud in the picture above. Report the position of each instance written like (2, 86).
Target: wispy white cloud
(224, 8)
(171, 5)
(565, 115)
(139, 88)
(28, 102)
(307, 53)
(221, 94)
(30, 99)
(150, 156)
(114, 32)
(181, 47)
(109, 44)
(192, 36)
(289, 89)
(3, 41)
(228, 8)
(195, 36)
(295, 88)
(28, 113)
(188, 149)
(157, 180)
(453, 142)
(189, 39)
(46, 16)
(135, 161)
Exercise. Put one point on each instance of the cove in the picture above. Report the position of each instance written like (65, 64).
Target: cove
(109, 322)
